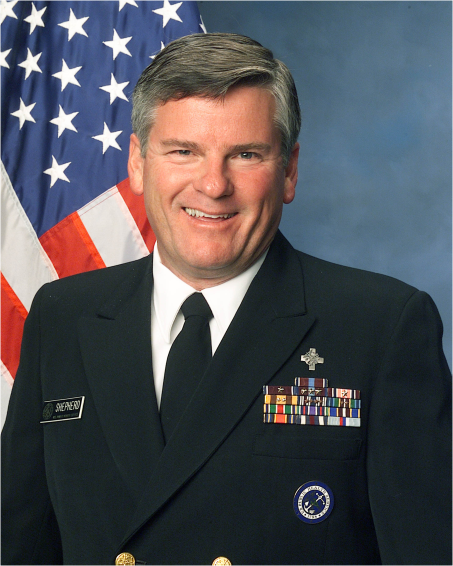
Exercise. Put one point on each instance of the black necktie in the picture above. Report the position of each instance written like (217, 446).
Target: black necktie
(187, 361)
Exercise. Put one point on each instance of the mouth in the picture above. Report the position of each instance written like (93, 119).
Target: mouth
(199, 214)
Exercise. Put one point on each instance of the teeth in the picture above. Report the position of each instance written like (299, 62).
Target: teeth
(199, 214)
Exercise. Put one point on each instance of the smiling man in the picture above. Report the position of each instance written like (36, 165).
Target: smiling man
(215, 182)
(227, 399)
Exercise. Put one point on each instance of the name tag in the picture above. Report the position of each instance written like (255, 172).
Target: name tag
(62, 410)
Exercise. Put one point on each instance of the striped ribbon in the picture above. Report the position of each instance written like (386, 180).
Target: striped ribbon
(311, 410)
(311, 420)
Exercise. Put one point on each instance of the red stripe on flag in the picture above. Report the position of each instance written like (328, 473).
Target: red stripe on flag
(87, 241)
(136, 206)
(13, 318)
(70, 248)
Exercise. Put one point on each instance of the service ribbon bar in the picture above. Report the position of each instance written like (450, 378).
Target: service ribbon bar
(291, 389)
(320, 392)
(311, 402)
(330, 392)
(282, 400)
(310, 410)
(311, 420)
(278, 390)
(331, 402)
(308, 400)
(311, 382)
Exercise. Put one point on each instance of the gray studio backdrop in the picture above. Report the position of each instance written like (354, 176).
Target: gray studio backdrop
(374, 83)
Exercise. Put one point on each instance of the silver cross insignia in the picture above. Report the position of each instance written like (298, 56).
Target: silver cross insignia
(312, 358)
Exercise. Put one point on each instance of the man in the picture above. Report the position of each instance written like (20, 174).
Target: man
(110, 457)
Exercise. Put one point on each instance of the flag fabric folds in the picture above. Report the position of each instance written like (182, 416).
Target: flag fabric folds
(68, 72)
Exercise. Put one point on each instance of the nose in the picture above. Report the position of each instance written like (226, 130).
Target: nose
(214, 179)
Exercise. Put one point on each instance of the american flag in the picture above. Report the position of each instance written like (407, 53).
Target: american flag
(68, 72)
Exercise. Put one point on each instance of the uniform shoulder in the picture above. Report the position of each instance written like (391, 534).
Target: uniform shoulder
(351, 281)
(94, 287)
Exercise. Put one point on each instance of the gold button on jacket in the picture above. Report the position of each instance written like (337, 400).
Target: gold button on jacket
(125, 558)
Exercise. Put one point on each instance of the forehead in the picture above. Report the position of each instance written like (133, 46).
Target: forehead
(242, 112)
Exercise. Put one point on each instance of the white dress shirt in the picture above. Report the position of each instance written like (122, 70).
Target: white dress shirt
(167, 320)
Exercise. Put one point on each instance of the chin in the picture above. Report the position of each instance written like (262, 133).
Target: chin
(209, 264)
(206, 254)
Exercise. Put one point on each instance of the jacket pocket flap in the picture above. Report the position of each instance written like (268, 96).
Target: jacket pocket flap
(294, 446)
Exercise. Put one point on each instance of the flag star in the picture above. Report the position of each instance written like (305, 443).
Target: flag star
(67, 75)
(64, 121)
(118, 45)
(3, 56)
(115, 89)
(24, 113)
(6, 10)
(124, 2)
(203, 27)
(74, 25)
(31, 63)
(168, 12)
(35, 18)
(108, 139)
(57, 172)
(162, 46)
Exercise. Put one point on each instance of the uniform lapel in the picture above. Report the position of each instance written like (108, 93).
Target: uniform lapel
(269, 325)
(116, 350)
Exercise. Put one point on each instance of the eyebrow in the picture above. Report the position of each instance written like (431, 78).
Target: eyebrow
(239, 148)
(180, 143)
(253, 146)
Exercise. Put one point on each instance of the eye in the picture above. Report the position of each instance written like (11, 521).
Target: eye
(183, 152)
(247, 154)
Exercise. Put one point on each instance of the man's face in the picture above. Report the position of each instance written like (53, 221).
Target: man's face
(214, 183)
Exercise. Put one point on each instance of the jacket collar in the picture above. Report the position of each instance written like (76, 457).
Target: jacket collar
(116, 351)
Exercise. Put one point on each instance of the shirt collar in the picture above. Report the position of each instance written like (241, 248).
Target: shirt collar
(169, 293)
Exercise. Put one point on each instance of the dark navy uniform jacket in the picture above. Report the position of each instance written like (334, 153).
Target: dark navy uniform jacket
(82, 491)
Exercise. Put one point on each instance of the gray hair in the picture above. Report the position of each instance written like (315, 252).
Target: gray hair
(208, 65)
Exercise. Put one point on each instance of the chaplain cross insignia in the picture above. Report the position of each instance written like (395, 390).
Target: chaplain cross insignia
(312, 358)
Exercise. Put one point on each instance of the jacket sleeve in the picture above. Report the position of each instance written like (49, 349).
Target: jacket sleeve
(30, 532)
(409, 441)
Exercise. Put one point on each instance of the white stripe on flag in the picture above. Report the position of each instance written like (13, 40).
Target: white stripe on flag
(8, 379)
(5, 391)
(25, 264)
(122, 243)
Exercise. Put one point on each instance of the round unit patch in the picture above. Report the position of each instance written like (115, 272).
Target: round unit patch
(313, 502)
(47, 411)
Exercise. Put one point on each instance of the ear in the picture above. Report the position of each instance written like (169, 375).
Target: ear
(291, 174)
(135, 166)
